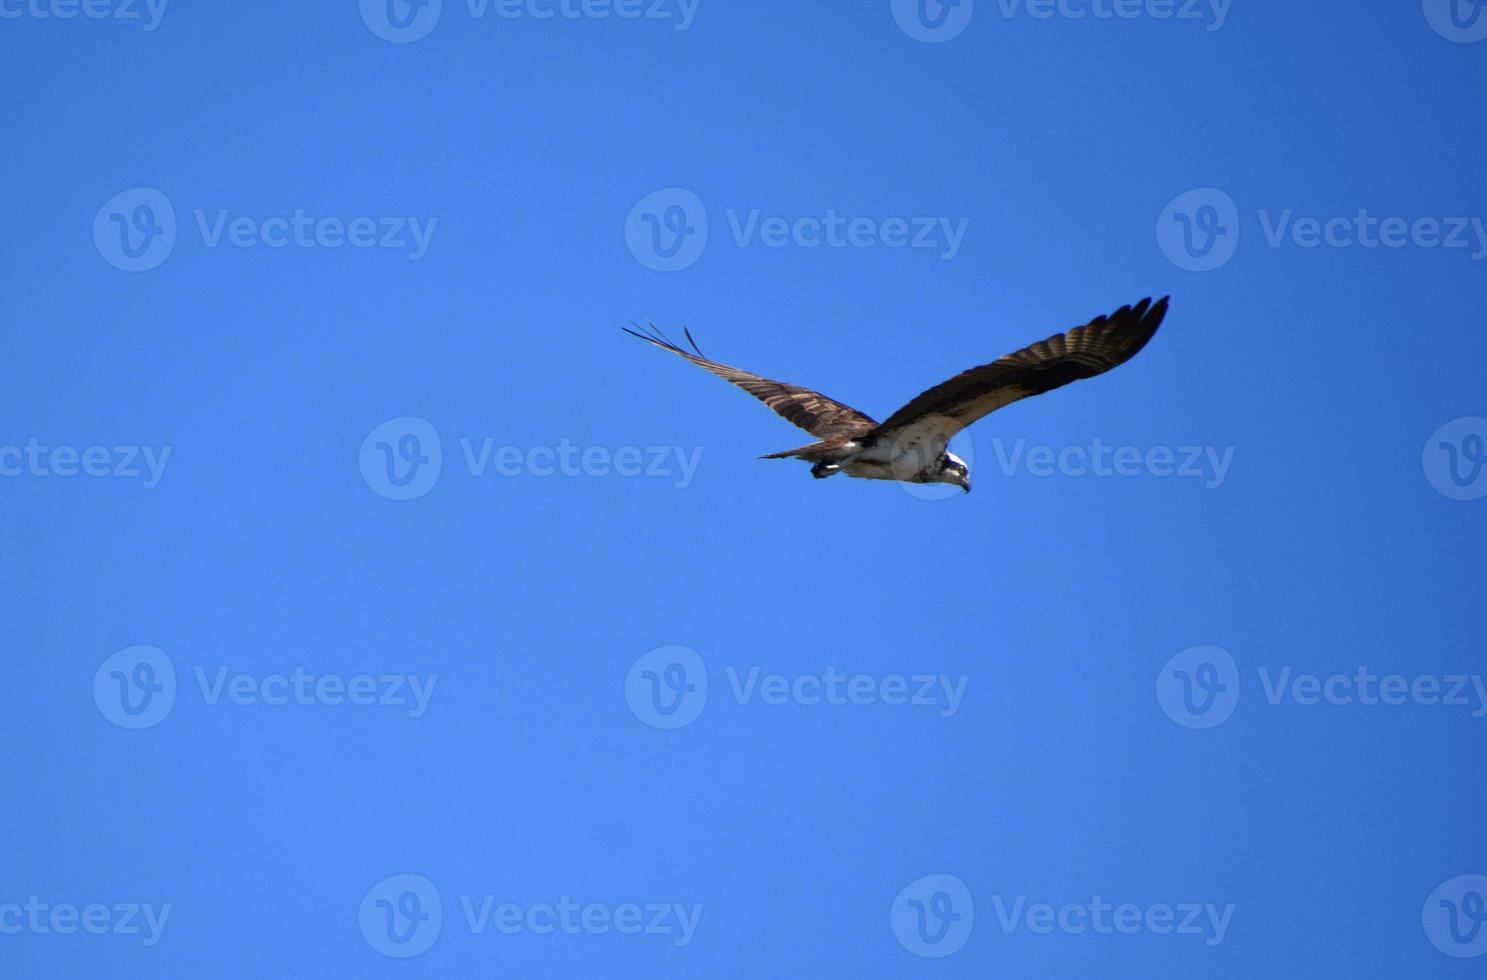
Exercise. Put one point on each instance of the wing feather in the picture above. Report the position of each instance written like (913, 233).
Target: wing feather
(1103, 343)
(823, 417)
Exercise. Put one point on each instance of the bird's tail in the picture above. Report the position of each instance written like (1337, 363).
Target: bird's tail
(814, 452)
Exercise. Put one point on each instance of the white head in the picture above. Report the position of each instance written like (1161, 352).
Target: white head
(954, 470)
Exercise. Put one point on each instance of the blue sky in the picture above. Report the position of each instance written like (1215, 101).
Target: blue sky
(377, 608)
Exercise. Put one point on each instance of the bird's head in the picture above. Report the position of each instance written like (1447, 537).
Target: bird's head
(954, 470)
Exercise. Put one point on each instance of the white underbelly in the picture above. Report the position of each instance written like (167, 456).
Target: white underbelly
(880, 463)
(866, 469)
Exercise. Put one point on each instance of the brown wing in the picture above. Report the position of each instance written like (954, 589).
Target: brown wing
(1083, 352)
(823, 417)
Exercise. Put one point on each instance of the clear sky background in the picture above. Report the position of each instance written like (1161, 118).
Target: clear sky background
(1072, 768)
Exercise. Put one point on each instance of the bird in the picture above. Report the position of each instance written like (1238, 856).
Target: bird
(912, 444)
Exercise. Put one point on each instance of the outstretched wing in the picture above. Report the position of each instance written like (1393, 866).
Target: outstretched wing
(825, 418)
(1083, 352)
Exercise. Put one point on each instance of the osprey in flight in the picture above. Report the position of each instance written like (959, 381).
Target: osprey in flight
(911, 445)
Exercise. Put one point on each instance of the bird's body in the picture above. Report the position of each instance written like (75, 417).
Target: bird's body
(912, 445)
(906, 463)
